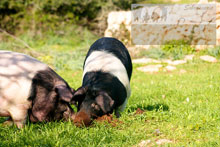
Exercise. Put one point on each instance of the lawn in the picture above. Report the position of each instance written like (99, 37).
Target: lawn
(181, 107)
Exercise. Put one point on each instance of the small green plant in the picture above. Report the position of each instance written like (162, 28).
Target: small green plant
(176, 49)
(123, 35)
(155, 53)
(214, 51)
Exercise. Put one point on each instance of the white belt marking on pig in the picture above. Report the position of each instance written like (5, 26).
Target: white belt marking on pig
(107, 62)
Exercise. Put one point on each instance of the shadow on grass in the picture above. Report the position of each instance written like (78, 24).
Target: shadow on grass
(155, 107)
(2, 119)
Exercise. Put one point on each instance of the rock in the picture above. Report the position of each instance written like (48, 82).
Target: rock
(157, 132)
(203, 2)
(150, 68)
(145, 60)
(208, 58)
(168, 61)
(163, 141)
(187, 99)
(188, 57)
(146, 32)
(175, 1)
(175, 62)
(144, 143)
(200, 47)
(170, 68)
(182, 71)
(115, 19)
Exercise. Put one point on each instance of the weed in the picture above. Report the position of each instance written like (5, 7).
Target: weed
(214, 51)
(176, 49)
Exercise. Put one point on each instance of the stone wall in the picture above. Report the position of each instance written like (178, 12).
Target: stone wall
(119, 26)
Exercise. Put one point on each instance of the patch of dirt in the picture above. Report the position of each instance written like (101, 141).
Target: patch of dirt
(82, 119)
(109, 119)
(139, 111)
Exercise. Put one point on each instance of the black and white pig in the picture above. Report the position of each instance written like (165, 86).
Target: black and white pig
(107, 72)
(27, 86)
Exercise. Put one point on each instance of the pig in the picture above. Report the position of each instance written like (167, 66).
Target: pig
(105, 89)
(31, 88)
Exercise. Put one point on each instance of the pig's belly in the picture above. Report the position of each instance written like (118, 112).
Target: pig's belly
(14, 93)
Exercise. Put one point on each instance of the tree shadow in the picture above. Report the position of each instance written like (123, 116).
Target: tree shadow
(155, 107)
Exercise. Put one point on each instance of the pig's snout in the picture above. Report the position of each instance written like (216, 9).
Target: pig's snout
(82, 119)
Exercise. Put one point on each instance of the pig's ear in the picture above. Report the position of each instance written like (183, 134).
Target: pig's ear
(64, 93)
(105, 102)
(43, 105)
(79, 95)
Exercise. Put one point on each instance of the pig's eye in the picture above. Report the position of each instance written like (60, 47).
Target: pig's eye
(95, 106)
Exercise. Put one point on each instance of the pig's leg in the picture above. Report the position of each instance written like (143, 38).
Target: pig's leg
(120, 108)
(19, 116)
(4, 104)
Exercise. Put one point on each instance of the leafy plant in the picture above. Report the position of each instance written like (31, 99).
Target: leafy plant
(177, 48)
(155, 53)
(214, 51)
(36, 16)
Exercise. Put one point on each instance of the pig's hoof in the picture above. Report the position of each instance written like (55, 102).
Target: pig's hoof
(118, 114)
(20, 125)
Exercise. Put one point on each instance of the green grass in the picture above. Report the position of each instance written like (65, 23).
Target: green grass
(183, 107)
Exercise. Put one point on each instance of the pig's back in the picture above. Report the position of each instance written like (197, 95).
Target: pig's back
(16, 73)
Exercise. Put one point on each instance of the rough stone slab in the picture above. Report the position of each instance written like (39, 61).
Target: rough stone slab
(182, 71)
(150, 68)
(145, 60)
(175, 62)
(146, 143)
(208, 58)
(163, 141)
(189, 57)
(170, 68)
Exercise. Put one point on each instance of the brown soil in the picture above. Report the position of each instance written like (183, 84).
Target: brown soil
(139, 111)
(109, 119)
(82, 119)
